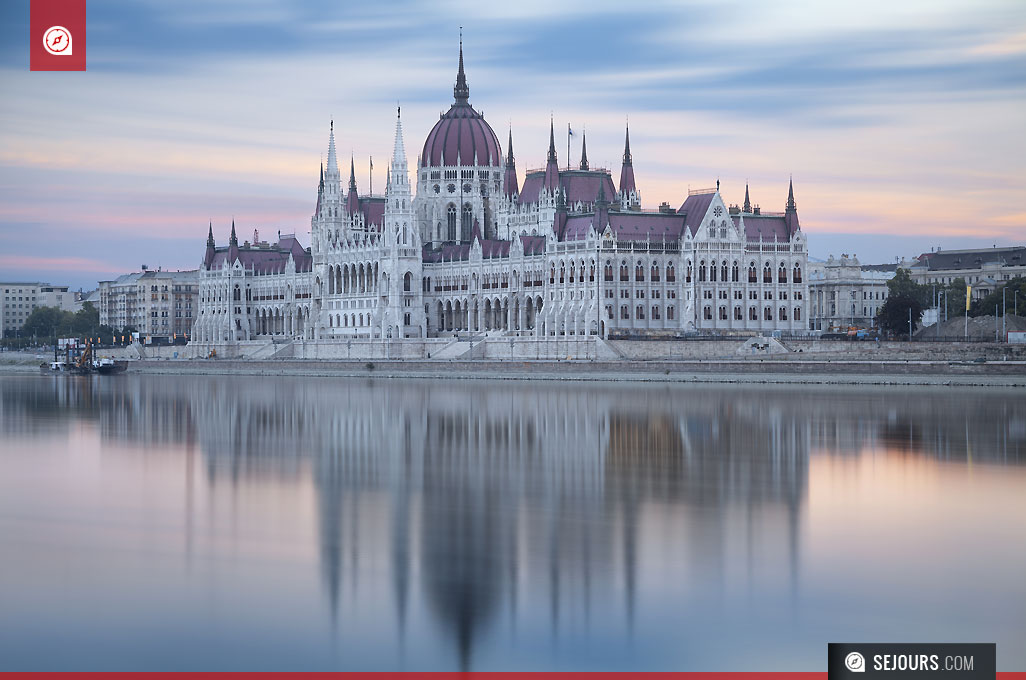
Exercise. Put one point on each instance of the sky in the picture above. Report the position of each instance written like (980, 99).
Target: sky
(902, 123)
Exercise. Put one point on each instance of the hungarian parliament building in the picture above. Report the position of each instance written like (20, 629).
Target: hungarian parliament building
(472, 250)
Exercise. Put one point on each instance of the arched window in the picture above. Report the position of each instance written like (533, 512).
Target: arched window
(591, 271)
(701, 270)
(797, 277)
(751, 273)
(641, 312)
(624, 274)
(451, 216)
(707, 313)
(782, 274)
(624, 312)
(468, 220)
(407, 281)
(655, 272)
(735, 273)
(687, 273)
(572, 271)
(712, 270)
(797, 313)
(768, 314)
(552, 274)
(752, 314)
(639, 273)
(562, 272)
(669, 312)
(737, 314)
(783, 314)
(723, 271)
(671, 275)
(607, 272)
(767, 274)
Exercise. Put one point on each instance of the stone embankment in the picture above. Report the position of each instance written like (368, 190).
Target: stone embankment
(806, 361)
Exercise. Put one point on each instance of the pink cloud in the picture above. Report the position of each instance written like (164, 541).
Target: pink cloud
(69, 264)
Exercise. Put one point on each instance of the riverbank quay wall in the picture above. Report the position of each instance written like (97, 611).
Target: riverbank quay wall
(991, 374)
(499, 347)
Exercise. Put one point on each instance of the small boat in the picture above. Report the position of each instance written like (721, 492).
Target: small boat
(107, 366)
(54, 367)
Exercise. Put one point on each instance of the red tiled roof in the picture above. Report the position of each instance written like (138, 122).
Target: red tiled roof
(271, 260)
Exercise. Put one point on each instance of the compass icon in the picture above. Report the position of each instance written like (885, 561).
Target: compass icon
(57, 41)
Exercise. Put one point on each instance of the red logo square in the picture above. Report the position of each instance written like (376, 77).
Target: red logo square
(57, 35)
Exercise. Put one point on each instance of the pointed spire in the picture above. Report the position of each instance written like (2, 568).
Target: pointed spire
(208, 256)
(462, 91)
(627, 160)
(352, 196)
(509, 148)
(332, 161)
(791, 212)
(233, 240)
(510, 185)
(747, 207)
(552, 166)
(399, 150)
(584, 151)
(552, 141)
(627, 184)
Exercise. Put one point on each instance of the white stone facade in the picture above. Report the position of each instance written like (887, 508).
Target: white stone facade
(161, 305)
(845, 295)
(470, 252)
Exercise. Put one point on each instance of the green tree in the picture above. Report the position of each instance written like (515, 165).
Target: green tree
(45, 322)
(893, 316)
(986, 305)
(901, 284)
(953, 300)
(86, 321)
(903, 295)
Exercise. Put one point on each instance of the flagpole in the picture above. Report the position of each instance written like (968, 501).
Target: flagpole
(568, 133)
(371, 173)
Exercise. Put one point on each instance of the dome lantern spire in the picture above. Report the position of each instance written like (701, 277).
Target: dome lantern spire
(462, 91)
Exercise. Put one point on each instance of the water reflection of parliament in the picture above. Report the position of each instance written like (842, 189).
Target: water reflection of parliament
(466, 485)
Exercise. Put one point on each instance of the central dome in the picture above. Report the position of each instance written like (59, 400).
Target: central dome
(461, 133)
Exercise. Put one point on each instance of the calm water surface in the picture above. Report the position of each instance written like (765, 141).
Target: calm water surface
(322, 523)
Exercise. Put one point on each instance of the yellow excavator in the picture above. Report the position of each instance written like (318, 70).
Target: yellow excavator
(84, 364)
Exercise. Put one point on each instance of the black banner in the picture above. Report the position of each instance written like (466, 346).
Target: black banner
(912, 660)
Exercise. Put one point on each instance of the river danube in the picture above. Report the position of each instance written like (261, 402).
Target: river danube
(245, 523)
